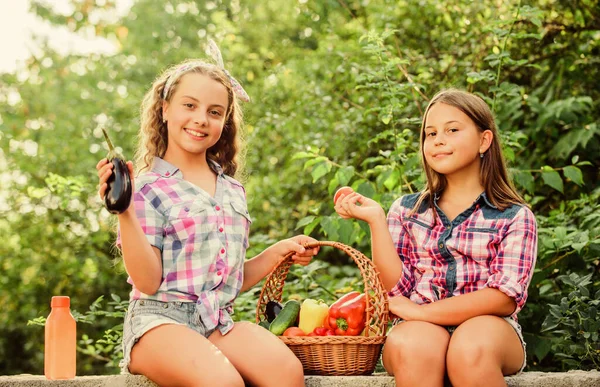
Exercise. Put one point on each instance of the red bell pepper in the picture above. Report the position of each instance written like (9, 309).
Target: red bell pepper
(322, 331)
(347, 315)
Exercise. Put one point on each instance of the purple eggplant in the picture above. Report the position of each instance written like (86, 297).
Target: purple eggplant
(118, 190)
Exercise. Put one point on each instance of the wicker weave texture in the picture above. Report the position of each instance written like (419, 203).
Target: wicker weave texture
(335, 355)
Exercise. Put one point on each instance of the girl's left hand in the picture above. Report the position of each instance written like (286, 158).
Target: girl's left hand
(296, 244)
(405, 308)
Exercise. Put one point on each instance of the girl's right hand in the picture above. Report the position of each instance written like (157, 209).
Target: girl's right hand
(104, 169)
(359, 207)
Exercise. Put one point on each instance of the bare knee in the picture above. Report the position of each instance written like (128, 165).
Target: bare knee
(173, 355)
(404, 349)
(289, 367)
(472, 361)
(196, 374)
(199, 375)
(412, 349)
(468, 353)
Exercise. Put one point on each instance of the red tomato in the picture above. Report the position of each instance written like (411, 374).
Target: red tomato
(342, 191)
(294, 331)
(320, 331)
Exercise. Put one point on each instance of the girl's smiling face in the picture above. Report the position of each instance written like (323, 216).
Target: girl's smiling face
(195, 114)
(452, 140)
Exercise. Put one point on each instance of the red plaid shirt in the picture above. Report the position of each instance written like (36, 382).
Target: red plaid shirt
(482, 247)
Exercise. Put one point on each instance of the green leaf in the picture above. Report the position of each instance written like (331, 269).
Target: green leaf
(560, 232)
(366, 188)
(574, 174)
(320, 170)
(346, 230)
(545, 288)
(314, 161)
(344, 175)
(392, 180)
(310, 227)
(304, 221)
(553, 179)
(550, 323)
(330, 227)
(302, 155)
(525, 180)
(542, 348)
(579, 246)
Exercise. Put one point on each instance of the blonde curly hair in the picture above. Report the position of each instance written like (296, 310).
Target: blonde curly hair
(153, 138)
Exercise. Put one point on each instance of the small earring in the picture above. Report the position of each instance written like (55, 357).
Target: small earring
(164, 121)
(481, 155)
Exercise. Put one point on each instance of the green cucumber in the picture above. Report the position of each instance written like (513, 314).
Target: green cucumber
(286, 318)
(264, 323)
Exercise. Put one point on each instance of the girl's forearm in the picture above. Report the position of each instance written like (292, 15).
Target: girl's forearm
(384, 253)
(142, 261)
(257, 268)
(458, 309)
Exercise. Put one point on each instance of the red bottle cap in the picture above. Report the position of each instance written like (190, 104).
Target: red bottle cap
(60, 301)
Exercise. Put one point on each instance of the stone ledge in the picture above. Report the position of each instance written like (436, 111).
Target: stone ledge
(526, 379)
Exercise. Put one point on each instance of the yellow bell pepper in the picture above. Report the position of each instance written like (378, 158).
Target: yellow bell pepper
(312, 315)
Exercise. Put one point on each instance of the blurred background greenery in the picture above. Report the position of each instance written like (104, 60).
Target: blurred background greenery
(338, 88)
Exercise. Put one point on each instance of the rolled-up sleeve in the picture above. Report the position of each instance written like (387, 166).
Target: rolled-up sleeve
(151, 220)
(512, 267)
(402, 242)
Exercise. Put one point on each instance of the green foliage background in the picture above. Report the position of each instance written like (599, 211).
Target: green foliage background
(338, 91)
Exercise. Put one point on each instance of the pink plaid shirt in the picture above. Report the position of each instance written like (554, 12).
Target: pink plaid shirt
(203, 240)
(482, 247)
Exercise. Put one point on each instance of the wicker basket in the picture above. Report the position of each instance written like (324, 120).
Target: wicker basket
(335, 355)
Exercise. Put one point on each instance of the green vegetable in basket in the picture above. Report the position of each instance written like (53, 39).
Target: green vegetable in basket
(286, 318)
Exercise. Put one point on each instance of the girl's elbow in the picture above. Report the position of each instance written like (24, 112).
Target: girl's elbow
(509, 306)
(150, 290)
(146, 287)
(512, 307)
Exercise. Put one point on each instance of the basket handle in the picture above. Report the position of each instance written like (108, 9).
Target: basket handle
(376, 295)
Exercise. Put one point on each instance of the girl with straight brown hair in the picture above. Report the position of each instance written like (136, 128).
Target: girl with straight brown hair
(456, 258)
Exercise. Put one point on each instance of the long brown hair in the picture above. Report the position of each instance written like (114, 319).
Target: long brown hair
(493, 172)
(153, 139)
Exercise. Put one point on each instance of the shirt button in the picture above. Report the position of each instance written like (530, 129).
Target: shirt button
(168, 173)
(222, 251)
(187, 209)
(217, 208)
(219, 273)
(441, 245)
(220, 229)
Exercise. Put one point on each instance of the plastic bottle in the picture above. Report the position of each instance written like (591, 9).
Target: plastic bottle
(60, 342)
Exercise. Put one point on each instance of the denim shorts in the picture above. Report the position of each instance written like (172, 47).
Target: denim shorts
(515, 325)
(144, 315)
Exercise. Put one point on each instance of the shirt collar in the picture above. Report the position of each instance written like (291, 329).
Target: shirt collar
(481, 198)
(166, 169)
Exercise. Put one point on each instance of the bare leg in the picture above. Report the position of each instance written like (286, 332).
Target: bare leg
(260, 357)
(415, 354)
(175, 355)
(482, 350)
